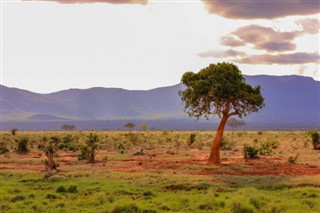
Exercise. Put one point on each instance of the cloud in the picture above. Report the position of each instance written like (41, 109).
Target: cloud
(288, 59)
(266, 38)
(255, 9)
(310, 26)
(276, 46)
(99, 1)
(222, 54)
(231, 41)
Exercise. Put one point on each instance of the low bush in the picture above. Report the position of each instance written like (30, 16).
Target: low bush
(88, 152)
(22, 145)
(267, 148)
(72, 189)
(192, 139)
(315, 136)
(61, 189)
(3, 148)
(250, 152)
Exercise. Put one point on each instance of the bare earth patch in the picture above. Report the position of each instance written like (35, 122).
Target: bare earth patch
(194, 163)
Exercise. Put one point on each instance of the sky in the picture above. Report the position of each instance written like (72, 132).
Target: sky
(52, 45)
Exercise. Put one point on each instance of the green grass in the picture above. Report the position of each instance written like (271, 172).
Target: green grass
(105, 192)
(173, 186)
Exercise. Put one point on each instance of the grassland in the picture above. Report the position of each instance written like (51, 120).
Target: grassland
(161, 172)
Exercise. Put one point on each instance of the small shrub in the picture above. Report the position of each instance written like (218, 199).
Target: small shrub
(250, 152)
(192, 139)
(88, 152)
(267, 148)
(72, 189)
(293, 159)
(22, 145)
(315, 136)
(13, 131)
(17, 198)
(50, 150)
(61, 189)
(3, 148)
(130, 208)
(121, 148)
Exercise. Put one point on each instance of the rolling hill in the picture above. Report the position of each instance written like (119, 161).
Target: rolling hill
(291, 101)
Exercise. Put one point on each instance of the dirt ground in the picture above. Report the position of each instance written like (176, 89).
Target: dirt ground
(193, 163)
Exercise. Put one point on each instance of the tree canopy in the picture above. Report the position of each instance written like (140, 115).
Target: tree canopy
(219, 89)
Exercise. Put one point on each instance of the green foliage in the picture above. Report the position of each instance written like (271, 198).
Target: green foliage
(61, 189)
(144, 127)
(192, 139)
(88, 152)
(50, 149)
(250, 152)
(221, 88)
(267, 148)
(22, 145)
(315, 136)
(67, 143)
(72, 189)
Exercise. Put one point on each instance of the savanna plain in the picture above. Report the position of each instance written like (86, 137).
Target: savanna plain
(158, 171)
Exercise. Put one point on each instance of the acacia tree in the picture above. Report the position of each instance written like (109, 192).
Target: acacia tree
(219, 89)
(129, 125)
(234, 123)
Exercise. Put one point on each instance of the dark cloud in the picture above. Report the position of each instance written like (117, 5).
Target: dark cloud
(293, 58)
(222, 54)
(276, 46)
(264, 9)
(98, 1)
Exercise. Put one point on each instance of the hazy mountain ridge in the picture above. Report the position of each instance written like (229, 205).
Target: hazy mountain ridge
(289, 99)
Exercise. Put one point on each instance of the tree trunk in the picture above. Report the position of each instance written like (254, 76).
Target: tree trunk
(214, 157)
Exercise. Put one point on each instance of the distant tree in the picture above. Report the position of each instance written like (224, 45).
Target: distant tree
(144, 127)
(129, 125)
(68, 127)
(219, 89)
(234, 123)
(13, 131)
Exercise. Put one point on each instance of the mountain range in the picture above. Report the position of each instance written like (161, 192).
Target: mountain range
(291, 101)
